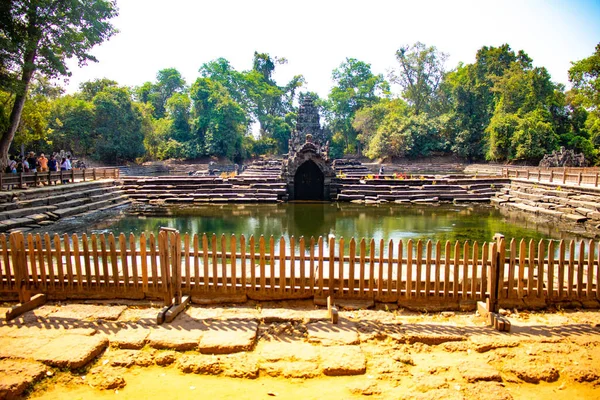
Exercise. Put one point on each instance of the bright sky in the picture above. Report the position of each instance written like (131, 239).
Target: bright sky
(317, 36)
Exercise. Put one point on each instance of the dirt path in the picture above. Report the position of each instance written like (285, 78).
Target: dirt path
(290, 350)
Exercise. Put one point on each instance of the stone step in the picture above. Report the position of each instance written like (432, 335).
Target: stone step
(23, 212)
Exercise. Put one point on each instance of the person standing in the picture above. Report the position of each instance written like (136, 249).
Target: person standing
(32, 161)
(43, 162)
(64, 166)
(69, 166)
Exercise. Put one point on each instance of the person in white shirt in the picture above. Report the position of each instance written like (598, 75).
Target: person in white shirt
(69, 167)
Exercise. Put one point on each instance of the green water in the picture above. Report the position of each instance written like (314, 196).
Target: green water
(389, 221)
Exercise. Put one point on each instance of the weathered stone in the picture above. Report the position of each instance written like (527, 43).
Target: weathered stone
(122, 358)
(130, 338)
(208, 365)
(475, 372)
(71, 351)
(17, 375)
(276, 351)
(535, 373)
(163, 358)
(224, 337)
(343, 360)
(181, 340)
(487, 391)
(105, 378)
(327, 334)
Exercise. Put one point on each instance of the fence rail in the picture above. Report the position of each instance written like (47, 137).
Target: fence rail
(25, 179)
(169, 264)
(578, 176)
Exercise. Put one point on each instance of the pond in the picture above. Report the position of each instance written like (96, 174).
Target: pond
(385, 221)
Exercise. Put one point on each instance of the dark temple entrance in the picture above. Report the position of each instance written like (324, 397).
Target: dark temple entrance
(308, 182)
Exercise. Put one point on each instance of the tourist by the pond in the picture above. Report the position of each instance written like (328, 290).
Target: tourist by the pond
(64, 166)
(32, 161)
(43, 162)
(69, 165)
(381, 170)
(52, 163)
(11, 168)
(24, 165)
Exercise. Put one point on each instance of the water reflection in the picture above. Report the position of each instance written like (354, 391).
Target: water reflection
(382, 222)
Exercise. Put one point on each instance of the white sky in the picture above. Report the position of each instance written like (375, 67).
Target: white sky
(316, 36)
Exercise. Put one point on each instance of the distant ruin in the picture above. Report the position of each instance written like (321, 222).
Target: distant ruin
(563, 158)
(307, 168)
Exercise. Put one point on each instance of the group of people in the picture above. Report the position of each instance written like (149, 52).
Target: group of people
(33, 163)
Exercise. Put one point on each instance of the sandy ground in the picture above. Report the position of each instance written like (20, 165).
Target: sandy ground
(291, 350)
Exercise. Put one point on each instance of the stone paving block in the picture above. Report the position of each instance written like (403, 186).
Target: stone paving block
(17, 375)
(328, 334)
(231, 336)
(171, 338)
(71, 351)
(476, 372)
(291, 369)
(343, 360)
(130, 338)
(88, 312)
(288, 351)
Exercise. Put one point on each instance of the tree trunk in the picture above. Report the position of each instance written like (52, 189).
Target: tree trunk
(22, 87)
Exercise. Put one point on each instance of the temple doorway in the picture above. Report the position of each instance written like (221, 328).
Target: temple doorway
(308, 182)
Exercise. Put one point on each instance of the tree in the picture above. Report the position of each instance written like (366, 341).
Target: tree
(118, 125)
(355, 87)
(168, 83)
(40, 36)
(220, 123)
(585, 95)
(72, 125)
(420, 75)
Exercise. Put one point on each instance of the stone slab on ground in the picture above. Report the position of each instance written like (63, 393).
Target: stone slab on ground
(293, 350)
(291, 369)
(343, 360)
(20, 347)
(71, 351)
(88, 312)
(175, 339)
(230, 336)
(328, 334)
(130, 338)
(477, 372)
(17, 375)
(486, 391)
(535, 373)
(200, 364)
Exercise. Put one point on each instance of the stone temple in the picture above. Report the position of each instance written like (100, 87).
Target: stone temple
(307, 168)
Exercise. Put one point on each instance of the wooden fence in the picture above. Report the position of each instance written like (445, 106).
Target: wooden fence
(578, 176)
(207, 267)
(25, 179)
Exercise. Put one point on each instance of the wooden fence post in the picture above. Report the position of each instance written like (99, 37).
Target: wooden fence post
(495, 278)
(19, 261)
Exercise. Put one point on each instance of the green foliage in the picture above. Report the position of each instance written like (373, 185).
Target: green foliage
(40, 36)
(168, 83)
(355, 87)
(72, 124)
(220, 123)
(118, 125)
(420, 75)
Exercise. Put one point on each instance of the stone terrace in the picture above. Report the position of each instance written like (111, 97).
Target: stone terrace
(31, 208)
(209, 189)
(580, 204)
(416, 190)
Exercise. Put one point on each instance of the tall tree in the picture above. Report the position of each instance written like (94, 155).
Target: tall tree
(355, 87)
(420, 75)
(168, 82)
(40, 35)
(585, 96)
(220, 123)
